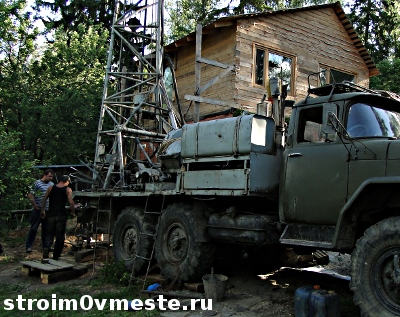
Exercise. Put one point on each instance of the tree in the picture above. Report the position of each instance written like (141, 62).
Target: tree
(184, 15)
(17, 43)
(69, 15)
(389, 78)
(51, 96)
(15, 171)
(378, 24)
(62, 109)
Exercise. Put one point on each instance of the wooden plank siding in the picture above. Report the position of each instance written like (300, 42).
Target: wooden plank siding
(219, 47)
(312, 37)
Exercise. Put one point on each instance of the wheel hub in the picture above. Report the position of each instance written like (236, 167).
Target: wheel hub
(388, 269)
(130, 242)
(177, 241)
(396, 270)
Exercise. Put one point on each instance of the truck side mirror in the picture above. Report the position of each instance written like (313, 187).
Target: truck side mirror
(329, 119)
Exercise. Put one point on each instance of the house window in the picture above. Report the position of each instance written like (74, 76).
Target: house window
(270, 64)
(330, 75)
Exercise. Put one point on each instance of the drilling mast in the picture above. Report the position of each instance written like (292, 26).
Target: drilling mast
(136, 112)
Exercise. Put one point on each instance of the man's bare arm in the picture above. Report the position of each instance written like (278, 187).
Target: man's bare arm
(71, 202)
(32, 201)
(46, 195)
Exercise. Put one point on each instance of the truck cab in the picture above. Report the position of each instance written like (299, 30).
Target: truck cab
(324, 172)
(339, 187)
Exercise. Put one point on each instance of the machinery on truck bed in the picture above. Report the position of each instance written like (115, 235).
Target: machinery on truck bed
(167, 191)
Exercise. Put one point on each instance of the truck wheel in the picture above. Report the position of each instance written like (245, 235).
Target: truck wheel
(178, 254)
(375, 270)
(126, 237)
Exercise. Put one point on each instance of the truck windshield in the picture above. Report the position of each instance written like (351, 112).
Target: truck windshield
(371, 121)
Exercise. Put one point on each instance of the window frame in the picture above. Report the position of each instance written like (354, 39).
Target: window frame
(328, 73)
(314, 115)
(267, 50)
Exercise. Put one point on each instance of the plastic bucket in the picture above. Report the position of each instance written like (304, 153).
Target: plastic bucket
(214, 286)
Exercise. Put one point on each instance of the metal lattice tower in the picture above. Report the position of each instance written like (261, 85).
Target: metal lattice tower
(136, 112)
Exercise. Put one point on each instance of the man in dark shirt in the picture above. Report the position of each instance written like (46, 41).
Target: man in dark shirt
(56, 217)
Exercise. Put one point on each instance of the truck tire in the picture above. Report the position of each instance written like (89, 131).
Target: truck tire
(126, 237)
(375, 272)
(179, 255)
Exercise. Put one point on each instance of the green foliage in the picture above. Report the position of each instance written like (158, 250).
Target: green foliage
(184, 15)
(17, 44)
(15, 171)
(75, 13)
(377, 22)
(284, 4)
(114, 273)
(62, 110)
(52, 97)
(389, 78)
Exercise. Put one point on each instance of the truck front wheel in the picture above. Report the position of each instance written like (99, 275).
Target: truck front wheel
(375, 270)
(126, 239)
(179, 255)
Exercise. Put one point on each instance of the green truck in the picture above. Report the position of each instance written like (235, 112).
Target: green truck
(330, 180)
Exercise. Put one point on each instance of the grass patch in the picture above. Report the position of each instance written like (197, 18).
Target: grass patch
(113, 273)
(7, 259)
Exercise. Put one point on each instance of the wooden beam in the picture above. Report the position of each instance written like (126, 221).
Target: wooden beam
(182, 43)
(223, 23)
(211, 101)
(197, 71)
(209, 31)
(76, 272)
(213, 63)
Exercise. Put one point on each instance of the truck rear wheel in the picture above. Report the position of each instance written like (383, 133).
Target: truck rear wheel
(179, 255)
(126, 238)
(375, 270)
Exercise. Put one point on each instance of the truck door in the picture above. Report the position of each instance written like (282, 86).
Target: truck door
(314, 184)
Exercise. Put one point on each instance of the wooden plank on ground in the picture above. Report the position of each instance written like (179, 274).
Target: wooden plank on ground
(157, 278)
(195, 287)
(51, 278)
(27, 271)
(60, 264)
(51, 267)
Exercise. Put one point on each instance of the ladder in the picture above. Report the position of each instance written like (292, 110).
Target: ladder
(100, 210)
(153, 235)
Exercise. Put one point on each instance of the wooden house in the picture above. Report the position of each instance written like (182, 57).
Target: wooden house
(230, 66)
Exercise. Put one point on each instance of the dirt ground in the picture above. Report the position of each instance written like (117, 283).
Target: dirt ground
(249, 291)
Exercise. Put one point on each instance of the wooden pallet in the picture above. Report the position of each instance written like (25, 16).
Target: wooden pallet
(52, 272)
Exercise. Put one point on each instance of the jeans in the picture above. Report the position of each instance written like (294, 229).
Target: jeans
(55, 226)
(35, 221)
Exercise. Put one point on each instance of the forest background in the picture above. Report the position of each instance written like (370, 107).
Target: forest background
(51, 79)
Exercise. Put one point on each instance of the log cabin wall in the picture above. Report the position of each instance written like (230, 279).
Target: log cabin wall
(313, 38)
(220, 47)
